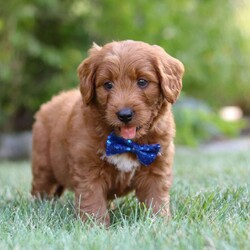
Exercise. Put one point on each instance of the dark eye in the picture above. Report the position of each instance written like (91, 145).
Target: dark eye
(108, 85)
(142, 83)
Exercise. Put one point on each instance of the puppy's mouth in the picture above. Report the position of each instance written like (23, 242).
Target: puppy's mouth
(128, 132)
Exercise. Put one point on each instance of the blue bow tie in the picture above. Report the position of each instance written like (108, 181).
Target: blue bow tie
(146, 153)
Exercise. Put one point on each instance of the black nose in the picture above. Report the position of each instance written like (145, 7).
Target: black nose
(125, 115)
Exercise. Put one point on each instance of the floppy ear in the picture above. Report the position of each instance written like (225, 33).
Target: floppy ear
(170, 72)
(86, 73)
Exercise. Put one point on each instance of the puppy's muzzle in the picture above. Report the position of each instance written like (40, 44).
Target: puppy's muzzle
(125, 115)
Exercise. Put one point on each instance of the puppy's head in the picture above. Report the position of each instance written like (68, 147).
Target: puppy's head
(128, 81)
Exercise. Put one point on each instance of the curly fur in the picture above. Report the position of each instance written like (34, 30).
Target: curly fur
(70, 131)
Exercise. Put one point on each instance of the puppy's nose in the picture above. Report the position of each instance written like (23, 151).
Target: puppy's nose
(125, 115)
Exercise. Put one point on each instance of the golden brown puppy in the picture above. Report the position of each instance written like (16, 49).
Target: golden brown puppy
(127, 88)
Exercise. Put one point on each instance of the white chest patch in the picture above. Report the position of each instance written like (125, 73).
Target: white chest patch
(122, 162)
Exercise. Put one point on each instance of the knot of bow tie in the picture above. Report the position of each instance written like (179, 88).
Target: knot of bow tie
(146, 153)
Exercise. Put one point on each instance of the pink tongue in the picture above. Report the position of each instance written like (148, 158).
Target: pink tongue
(128, 133)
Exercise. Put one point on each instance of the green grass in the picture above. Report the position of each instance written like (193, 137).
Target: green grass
(210, 202)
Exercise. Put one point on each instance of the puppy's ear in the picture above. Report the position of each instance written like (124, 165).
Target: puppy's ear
(86, 73)
(170, 72)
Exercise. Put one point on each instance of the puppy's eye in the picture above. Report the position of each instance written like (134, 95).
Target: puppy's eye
(142, 83)
(108, 85)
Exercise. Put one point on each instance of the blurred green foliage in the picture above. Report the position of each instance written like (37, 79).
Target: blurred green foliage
(43, 41)
(197, 123)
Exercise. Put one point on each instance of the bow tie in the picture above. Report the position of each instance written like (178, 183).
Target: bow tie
(146, 153)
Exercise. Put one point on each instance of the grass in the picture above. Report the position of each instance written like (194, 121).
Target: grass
(210, 202)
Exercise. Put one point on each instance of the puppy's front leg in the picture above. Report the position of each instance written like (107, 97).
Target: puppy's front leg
(90, 200)
(153, 190)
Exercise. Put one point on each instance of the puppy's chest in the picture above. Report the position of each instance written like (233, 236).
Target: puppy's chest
(122, 162)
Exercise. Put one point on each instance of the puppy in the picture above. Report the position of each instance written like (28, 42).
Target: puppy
(127, 90)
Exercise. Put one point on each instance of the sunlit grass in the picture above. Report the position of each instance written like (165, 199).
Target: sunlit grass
(209, 201)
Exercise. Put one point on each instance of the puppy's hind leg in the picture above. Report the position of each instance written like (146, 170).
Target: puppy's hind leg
(44, 184)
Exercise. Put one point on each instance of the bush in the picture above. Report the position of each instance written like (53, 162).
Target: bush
(43, 41)
(196, 122)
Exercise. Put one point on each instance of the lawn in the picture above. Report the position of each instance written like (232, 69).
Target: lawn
(210, 202)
